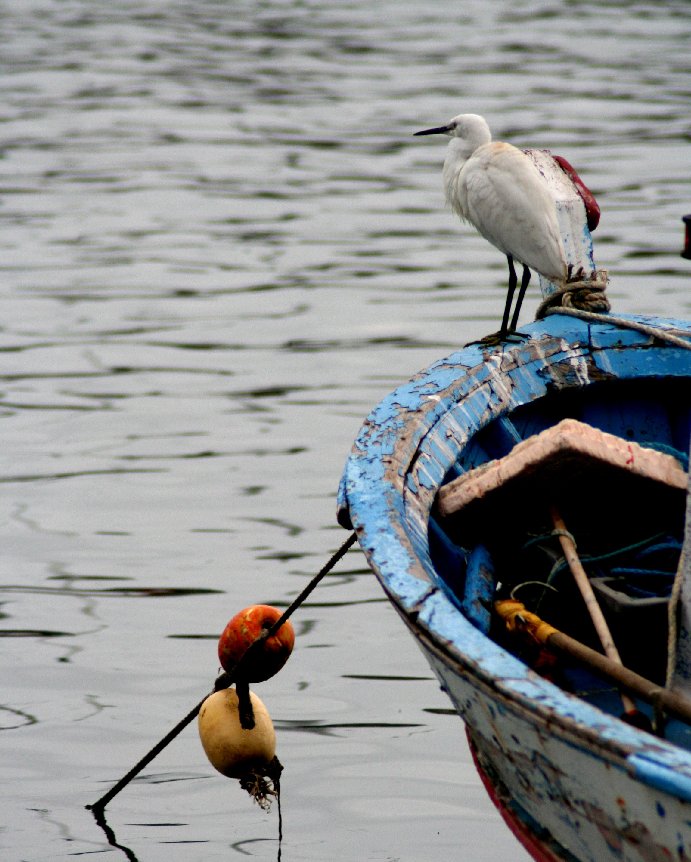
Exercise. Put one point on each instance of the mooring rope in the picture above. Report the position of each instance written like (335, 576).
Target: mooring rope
(644, 328)
(584, 298)
(224, 680)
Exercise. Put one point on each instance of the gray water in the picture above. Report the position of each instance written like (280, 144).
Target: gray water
(221, 246)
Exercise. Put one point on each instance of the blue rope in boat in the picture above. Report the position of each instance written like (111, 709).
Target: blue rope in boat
(670, 544)
(643, 583)
(536, 540)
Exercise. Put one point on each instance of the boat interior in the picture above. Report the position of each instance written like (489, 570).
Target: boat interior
(608, 487)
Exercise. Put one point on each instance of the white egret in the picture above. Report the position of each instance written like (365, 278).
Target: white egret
(496, 187)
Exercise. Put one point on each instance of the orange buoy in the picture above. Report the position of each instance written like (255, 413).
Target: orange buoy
(243, 630)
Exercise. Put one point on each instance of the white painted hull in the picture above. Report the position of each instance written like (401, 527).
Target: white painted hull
(582, 795)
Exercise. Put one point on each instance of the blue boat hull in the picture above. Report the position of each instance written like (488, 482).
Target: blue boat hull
(576, 782)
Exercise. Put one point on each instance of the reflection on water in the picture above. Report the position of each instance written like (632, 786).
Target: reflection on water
(220, 247)
(102, 822)
(13, 718)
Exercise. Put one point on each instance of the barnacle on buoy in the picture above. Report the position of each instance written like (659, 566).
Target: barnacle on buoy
(264, 785)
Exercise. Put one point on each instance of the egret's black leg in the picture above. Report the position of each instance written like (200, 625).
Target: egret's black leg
(509, 298)
(525, 281)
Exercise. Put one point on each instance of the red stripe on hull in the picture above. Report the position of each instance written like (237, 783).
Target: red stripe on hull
(537, 848)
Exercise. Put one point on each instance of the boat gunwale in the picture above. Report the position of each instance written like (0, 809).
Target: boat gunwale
(389, 486)
(577, 735)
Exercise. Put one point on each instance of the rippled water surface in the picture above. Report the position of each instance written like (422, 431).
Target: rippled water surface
(220, 247)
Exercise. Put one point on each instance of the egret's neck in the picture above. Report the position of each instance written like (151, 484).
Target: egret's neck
(457, 154)
(463, 148)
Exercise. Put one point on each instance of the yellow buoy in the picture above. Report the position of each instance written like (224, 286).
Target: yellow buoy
(231, 749)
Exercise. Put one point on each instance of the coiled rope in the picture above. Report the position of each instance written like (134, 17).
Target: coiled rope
(585, 293)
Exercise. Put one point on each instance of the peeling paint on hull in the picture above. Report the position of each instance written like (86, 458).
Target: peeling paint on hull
(584, 786)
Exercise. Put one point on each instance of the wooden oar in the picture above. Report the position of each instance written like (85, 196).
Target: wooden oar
(518, 619)
(568, 546)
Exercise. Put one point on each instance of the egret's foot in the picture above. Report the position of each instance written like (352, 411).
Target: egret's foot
(494, 339)
(516, 336)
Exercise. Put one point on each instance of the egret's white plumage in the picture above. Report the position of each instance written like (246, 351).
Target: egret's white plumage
(496, 187)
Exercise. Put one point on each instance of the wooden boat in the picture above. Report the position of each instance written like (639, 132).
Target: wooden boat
(454, 487)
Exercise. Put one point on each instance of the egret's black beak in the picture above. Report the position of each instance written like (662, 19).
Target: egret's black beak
(438, 130)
